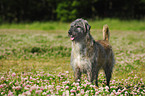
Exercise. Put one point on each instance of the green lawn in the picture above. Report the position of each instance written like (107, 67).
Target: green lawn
(115, 24)
(46, 47)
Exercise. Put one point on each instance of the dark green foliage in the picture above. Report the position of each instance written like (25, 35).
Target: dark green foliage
(67, 10)
(70, 10)
(27, 10)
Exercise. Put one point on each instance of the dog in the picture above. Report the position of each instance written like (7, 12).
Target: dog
(89, 56)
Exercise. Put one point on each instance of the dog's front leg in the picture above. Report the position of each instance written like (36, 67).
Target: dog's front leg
(93, 75)
(77, 74)
(89, 76)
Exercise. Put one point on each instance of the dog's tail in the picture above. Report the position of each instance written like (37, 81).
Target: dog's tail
(106, 33)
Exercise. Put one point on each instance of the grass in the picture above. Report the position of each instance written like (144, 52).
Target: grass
(36, 26)
(115, 24)
(26, 53)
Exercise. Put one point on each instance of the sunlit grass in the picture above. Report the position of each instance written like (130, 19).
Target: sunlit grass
(53, 47)
(115, 24)
(24, 51)
(36, 26)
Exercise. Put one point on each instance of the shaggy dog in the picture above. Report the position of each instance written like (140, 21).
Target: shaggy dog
(89, 56)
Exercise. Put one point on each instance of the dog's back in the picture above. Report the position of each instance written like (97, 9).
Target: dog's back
(106, 45)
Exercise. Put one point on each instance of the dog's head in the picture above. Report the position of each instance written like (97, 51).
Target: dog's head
(78, 29)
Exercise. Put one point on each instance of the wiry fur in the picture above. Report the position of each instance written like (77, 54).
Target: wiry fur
(88, 55)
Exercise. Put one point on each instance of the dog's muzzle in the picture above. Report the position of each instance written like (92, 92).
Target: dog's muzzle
(72, 38)
(70, 35)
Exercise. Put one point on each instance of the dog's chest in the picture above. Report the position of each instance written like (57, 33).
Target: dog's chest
(80, 58)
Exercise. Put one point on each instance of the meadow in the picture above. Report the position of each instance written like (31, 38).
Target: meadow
(35, 60)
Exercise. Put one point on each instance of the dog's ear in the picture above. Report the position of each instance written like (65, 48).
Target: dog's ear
(87, 26)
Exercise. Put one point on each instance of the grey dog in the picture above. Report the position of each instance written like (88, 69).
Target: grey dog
(89, 56)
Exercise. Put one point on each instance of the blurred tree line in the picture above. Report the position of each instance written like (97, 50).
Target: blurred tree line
(67, 10)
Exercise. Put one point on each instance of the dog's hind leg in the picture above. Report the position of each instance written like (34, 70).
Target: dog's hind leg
(108, 71)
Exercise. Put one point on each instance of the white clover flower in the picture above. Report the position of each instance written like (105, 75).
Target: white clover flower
(112, 94)
(78, 88)
(21, 95)
(44, 93)
(79, 94)
(135, 93)
(28, 93)
(113, 81)
(18, 87)
(67, 87)
(88, 83)
(101, 88)
(33, 87)
(72, 90)
(142, 93)
(67, 72)
(38, 91)
(26, 88)
(13, 74)
(42, 88)
(67, 93)
(87, 91)
(82, 92)
(1, 86)
(58, 87)
(96, 93)
(78, 80)
(107, 88)
(31, 78)
(77, 84)
(10, 93)
(119, 90)
(72, 94)
(114, 91)
(13, 87)
(2, 78)
(126, 92)
(117, 93)
(65, 82)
